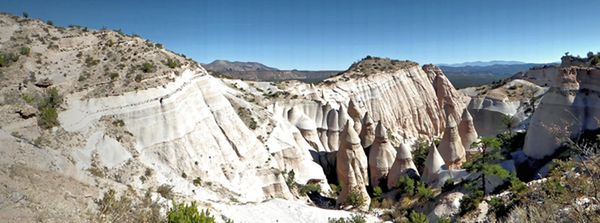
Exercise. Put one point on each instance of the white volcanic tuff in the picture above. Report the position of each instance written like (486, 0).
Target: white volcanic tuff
(466, 130)
(381, 156)
(451, 147)
(434, 164)
(351, 166)
(403, 99)
(570, 106)
(194, 123)
(403, 164)
(367, 133)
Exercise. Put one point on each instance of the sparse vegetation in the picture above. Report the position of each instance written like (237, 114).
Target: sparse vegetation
(138, 78)
(309, 188)
(48, 109)
(172, 63)
(197, 182)
(417, 217)
(148, 67)
(354, 218)
(184, 213)
(8, 58)
(25, 51)
(165, 191)
(355, 198)
(406, 185)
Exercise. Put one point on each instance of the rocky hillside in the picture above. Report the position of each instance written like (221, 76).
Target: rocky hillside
(95, 111)
(259, 72)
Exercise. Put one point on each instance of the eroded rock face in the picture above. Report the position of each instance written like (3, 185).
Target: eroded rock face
(403, 164)
(356, 114)
(367, 133)
(449, 99)
(333, 130)
(466, 130)
(433, 165)
(351, 167)
(451, 146)
(381, 156)
(571, 105)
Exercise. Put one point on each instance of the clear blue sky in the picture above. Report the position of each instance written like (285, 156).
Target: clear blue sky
(319, 34)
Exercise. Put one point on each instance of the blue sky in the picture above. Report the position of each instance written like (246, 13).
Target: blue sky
(319, 34)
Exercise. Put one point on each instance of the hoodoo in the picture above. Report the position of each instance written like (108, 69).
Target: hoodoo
(333, 130)
(381, 156)
(351, 167)
(403, 164)
(367, 133)
(451, 146)
(433, 165)
(466, 130)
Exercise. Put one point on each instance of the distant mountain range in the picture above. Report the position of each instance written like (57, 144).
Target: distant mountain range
(475, 75)
(484, 63)
(259, 72)
(461, 75)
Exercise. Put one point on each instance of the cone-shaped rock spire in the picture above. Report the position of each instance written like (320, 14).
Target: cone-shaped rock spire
(466, 130)
(451, 147)
(433, 165)
(351, 166)
(367, 133)
(381, 156)
(403, 164)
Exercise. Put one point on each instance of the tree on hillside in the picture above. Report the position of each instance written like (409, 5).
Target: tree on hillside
(486, 162)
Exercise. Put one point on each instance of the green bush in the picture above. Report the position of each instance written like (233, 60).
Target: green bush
(148, 67)
(470, 202)
(444, 220)
(352, 219)
(290, 179)
(355, 198)
(377, 193)
(424, 192)
(417, 217)
(7, 58)
(25, 51)
(335, 190)
(171, 63)
(113, 76)
(406, 185)
(310, 188)
(48, 109)
(197, 182)
(183, 213)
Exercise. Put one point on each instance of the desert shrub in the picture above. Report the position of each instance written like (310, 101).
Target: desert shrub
(290, 179)
(424, 192)
(138, 78)
(7, 58)
(444, 220)
(420, 154)
(172, 63)
(184, 213)
(355, 198)
(127, 208)
(309, 188)
(28, 98)
(48, 109)
(25, 14)
(377, 193)
(406, 185)
(417, 217)
(470, 202)
(165, 191)
(90, 62)
(25, 51)
(50, 22)
(354, 218)
(113, 76)
(148, 67)
(96, 171)
(335, 190)
(197, 182)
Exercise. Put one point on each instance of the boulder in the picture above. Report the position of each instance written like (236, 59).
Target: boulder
(381, 156)
(351, 167)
